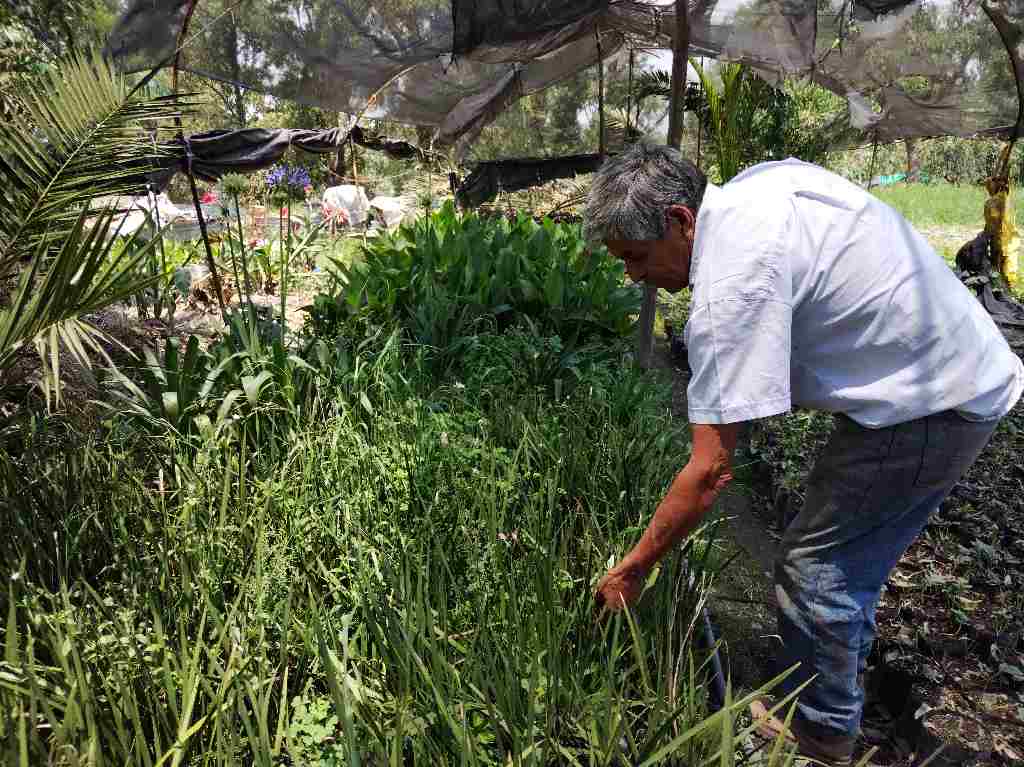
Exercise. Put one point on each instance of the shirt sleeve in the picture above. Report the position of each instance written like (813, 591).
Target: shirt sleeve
(739, 351)
(739, 333)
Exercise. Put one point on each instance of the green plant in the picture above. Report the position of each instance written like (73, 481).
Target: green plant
(676, 309)
(173, 393)
(441, 275)
(82, 139)
(235, 185)
(727, 110)
(421, 559)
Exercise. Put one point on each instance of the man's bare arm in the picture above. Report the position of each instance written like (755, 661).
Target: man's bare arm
(692, 493)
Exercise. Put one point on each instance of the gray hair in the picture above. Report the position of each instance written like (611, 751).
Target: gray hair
(630, 193)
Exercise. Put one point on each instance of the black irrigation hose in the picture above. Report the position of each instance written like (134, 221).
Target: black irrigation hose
(717, 696)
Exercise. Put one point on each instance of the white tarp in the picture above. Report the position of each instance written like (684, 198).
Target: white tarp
(349, 199)
(391, 209)
(139, 210)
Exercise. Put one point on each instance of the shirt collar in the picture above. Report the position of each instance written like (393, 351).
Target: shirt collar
(711, 192)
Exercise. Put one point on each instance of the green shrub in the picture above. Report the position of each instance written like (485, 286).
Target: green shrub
(250, 378)
(675, 308)
(439, 276)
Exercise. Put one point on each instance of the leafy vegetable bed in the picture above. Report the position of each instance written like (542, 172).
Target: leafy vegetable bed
(372, 543)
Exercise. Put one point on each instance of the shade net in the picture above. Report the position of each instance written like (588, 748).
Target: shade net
(906, 68)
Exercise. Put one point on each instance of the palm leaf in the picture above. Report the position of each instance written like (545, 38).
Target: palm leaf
(724, 113)
(83, 138)
(85, 274)
(657, 83)
(620, 129)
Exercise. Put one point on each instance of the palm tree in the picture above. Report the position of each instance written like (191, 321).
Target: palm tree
(81, 136)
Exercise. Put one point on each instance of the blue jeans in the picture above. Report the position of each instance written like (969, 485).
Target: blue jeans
(869, 496)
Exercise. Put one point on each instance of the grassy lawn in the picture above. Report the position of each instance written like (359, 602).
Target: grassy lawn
(942, 204)
(947, 215)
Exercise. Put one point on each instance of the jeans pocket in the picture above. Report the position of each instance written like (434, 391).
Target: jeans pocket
(947, 454)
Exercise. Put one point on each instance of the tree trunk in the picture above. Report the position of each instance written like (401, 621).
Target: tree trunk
(236, 73)
(913, 161)
(680, 53)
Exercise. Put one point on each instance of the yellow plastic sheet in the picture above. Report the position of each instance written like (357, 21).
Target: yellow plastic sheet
(1001, 227)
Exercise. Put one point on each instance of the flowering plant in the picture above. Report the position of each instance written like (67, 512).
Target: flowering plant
(208, 198)
(288, 182)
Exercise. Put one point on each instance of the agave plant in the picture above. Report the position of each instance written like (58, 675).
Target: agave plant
(83, 136)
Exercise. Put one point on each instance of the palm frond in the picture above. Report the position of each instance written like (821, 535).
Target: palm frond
(657, 83)
(724, 113)
(91, 269)
(572, 194)
(83, 137)
(620, 129)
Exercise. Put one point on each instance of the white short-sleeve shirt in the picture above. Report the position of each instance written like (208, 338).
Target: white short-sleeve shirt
(809, 291)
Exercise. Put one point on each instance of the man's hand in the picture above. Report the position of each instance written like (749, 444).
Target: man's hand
(619, 589)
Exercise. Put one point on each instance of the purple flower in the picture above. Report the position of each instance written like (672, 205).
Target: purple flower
(288, 179)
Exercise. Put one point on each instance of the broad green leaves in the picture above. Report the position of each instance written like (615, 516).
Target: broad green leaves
(443, 274)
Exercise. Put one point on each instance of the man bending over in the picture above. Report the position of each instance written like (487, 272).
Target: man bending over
(809, 291)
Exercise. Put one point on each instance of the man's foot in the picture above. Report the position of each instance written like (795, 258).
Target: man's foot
(832, 750)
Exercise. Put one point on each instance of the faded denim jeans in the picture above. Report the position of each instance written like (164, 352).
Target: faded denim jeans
(869, 496)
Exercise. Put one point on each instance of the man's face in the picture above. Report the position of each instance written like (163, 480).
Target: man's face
(664, 263)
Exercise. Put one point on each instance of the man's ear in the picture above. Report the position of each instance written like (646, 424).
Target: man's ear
(685, 218)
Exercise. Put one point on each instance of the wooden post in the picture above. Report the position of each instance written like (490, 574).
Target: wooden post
(600, 94)
(700, 123)
(629, 94)
(645, 344)
(680, 53)
(352, 149)
(218, 288)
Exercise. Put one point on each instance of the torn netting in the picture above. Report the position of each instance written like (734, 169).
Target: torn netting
(907, 68)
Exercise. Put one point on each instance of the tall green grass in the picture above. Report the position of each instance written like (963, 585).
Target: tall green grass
(375, 544)
(408, 582)
(943, 204)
